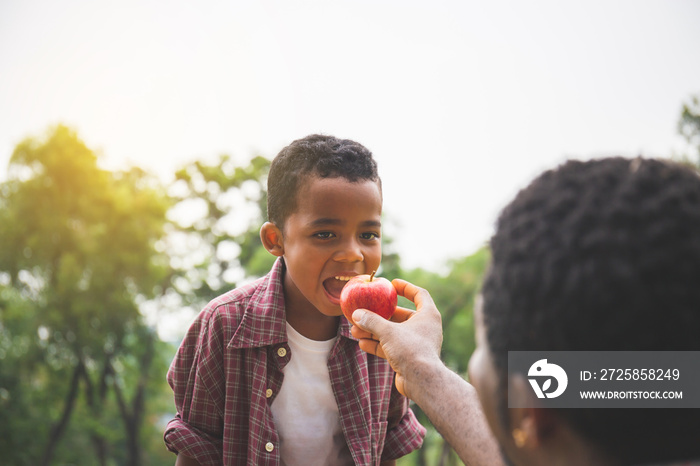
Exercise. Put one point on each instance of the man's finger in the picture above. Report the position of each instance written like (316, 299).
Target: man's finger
(400, 386)
(402, 314)
(358, 333)
(417, 295)
(372, 347)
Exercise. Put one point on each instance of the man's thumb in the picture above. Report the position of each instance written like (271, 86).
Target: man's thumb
(368, 321)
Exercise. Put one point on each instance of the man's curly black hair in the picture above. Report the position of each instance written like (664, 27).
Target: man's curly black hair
(315, 155)
(603, 255)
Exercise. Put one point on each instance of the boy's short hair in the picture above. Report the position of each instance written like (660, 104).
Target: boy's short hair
(315, 155)
(602, 255)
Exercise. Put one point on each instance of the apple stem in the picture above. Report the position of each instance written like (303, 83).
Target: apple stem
(372, 276)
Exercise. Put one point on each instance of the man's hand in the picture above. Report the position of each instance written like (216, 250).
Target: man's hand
(411, 344)
(411, 340)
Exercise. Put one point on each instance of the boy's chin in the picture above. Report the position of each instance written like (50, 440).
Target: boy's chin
(332, 312)
(330, 309)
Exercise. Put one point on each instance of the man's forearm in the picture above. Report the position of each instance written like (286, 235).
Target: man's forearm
(453, 406)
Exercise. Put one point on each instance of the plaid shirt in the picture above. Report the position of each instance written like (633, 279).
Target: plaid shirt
(228, 371)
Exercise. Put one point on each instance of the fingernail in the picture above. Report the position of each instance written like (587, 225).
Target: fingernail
(358, 315)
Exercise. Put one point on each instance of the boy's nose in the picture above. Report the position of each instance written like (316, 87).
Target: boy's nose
(350, 252)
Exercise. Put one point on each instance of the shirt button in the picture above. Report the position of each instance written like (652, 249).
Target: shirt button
(281, 352)
(268, 393)
(269, 446)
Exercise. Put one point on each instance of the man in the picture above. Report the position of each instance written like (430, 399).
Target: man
(601, 255)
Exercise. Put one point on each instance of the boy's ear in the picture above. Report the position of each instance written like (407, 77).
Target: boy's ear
(272, 239)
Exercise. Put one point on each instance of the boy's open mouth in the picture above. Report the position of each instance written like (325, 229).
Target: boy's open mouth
(334, 285)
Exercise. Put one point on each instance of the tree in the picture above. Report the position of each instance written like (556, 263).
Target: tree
(689, 126)
(22, 369)
(79, 256)
(215, 223)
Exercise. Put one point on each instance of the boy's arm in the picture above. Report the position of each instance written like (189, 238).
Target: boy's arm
(197, 427)
(388, 463)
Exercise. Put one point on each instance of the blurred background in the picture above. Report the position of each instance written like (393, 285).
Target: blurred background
(135, 139)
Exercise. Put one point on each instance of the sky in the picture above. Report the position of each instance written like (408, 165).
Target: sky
(461, 102)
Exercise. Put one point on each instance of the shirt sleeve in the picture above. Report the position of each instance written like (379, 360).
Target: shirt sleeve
(196, 376)
(404, 433)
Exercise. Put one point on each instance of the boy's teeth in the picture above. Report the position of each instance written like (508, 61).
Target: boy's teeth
(342, 278)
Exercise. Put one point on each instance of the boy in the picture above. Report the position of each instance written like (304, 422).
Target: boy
(268, 373)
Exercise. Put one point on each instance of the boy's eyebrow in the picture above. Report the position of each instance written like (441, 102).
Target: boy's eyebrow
(329, 221)
(325, 221)
(372, 223)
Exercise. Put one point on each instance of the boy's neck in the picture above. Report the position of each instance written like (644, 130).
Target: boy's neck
(319, 327)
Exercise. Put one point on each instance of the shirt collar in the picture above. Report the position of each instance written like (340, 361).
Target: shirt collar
(264, 321)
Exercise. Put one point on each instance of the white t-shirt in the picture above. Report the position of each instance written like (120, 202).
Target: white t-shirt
(305, 410)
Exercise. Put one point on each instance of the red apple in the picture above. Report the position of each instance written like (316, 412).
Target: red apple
(376, 294)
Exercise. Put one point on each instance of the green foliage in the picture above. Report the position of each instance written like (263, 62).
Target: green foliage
(82, 237)
(78, 257)
(23, 376)
(216, 221)
(689, 127)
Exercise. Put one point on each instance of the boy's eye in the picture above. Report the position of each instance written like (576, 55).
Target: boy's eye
(324, 235)
(369, 235)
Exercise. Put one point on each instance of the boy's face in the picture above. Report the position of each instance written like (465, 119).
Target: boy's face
(334, 232)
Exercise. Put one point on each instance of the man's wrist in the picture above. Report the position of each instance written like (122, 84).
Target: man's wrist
(424, 375)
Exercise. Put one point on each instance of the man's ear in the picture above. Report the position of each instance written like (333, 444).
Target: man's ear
(272, 239)
(530, 426)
